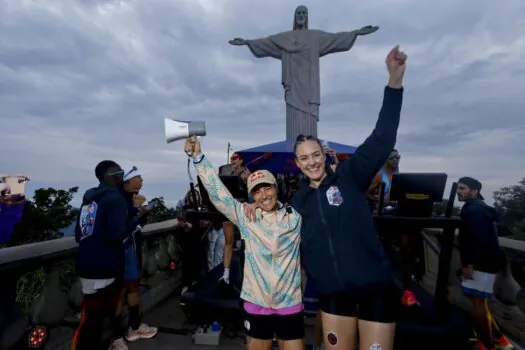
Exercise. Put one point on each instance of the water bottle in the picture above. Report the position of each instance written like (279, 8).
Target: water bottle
(215, 326)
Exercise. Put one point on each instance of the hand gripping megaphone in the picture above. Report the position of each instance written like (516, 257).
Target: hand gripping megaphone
(178, 130)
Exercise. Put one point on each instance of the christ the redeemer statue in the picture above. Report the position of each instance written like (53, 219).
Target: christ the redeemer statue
(299, 51)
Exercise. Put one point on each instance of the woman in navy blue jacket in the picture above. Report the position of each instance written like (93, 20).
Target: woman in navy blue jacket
(341, 251)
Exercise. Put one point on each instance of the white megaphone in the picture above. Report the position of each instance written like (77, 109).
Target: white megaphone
(178, 130)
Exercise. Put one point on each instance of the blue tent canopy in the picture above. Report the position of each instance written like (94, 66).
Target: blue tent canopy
(279, 157)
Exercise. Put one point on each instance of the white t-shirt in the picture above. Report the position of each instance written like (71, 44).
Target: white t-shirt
(91, 286)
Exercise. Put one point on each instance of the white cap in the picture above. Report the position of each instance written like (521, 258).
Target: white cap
(132, 172)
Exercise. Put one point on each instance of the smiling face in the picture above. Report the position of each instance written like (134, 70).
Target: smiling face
(310, 158)
(265, 197)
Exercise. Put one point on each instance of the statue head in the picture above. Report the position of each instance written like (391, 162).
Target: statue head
(300, 19)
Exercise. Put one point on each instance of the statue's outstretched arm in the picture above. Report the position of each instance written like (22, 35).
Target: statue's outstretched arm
(238, 42)
(341, 41)
(264, 47)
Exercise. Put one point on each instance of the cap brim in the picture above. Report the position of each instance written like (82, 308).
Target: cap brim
(134, 174)
(260, 183)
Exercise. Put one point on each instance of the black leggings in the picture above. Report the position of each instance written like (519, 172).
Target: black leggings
(96, 310)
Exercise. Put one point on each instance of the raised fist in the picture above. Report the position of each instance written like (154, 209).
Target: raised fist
(396, 65)
(238, 42)
(367, 30)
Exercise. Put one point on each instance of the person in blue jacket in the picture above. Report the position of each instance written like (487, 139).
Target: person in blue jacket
(482, 259)
(130, 292)
(341, 251)
(102, 227)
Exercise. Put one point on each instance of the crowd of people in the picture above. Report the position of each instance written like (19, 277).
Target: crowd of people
(309, 243)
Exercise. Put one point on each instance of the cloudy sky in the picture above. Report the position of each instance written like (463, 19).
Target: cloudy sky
(82, 81)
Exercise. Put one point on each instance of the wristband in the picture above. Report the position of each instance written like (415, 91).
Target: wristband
(198, 158)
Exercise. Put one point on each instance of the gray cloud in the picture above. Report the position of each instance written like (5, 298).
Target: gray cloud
(82, 81)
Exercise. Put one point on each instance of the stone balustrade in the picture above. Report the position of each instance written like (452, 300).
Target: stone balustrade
(39, 285)
(47, 270)
(508, 304)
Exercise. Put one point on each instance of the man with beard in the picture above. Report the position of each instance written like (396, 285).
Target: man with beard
(481, 259)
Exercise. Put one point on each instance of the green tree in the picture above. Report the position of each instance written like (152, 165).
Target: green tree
(45, 216)
(510, 203)
(159, 211)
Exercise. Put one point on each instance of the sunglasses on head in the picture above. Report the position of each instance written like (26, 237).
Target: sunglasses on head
(118, 172)
(122, 172)
(134, 168)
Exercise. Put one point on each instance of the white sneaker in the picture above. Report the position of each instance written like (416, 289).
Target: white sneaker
(143, 332)
(119, 344)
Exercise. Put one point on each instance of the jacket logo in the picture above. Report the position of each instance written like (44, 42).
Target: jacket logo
(88, 214)
(334, 196)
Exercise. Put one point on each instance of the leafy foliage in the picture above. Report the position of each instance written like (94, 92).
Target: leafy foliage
(159, 211)
(510, 203)
(45, 216)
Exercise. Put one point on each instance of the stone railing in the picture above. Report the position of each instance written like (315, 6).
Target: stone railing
(508, 304)
(54, 298)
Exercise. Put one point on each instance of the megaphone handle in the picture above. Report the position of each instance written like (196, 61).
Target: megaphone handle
(192, 138)
(194, 196)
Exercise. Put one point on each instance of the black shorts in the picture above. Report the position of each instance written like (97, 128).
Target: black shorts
(381, 305)
(284, 327)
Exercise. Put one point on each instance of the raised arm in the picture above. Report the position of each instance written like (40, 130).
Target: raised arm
(373, 153)
(264, 47)
(341, 41)
(219, 195)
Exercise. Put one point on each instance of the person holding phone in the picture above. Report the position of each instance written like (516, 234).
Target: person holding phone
(137, 208)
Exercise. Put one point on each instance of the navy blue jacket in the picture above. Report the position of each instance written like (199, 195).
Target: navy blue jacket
(136, 239)
(340, 246)
(478, 238)
(102, 226)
